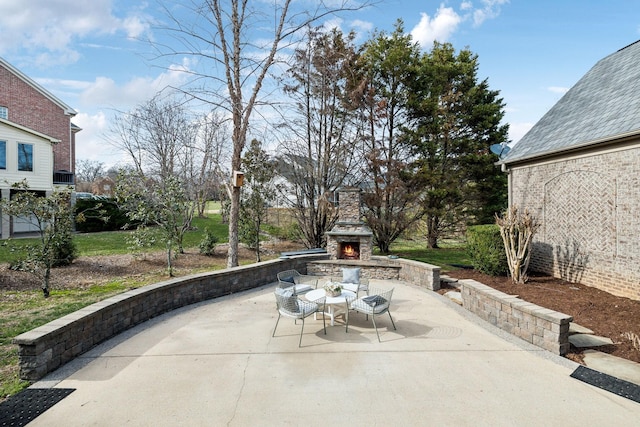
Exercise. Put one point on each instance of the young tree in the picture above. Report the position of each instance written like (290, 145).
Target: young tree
(230, 36)
(455, 119)
(259, 173)
(51, 215)
(387, 65)
(319, 152)
(161, 203)
(517, 230)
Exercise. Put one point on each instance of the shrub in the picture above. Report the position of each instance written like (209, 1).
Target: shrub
(140, 240)
(486, 249)
(99, 215)
(208, 243)
(63, 247)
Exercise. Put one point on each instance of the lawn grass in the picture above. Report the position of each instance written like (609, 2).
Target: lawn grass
(451, 254)
(21, 311)
(115, 242)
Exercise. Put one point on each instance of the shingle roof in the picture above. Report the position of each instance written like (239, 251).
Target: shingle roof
(603, 105)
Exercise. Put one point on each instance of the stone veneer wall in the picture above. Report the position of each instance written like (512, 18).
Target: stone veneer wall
(350, 227)
(588, 209)
(540, 326)
(50, 346)
(383, 268)
(347, 233)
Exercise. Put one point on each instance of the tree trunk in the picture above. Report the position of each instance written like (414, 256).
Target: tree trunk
(169, 264)
(432, 232)
(232, 254)
(45, 284)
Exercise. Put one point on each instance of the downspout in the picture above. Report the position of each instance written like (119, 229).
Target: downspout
(72, 167)
(503, 168)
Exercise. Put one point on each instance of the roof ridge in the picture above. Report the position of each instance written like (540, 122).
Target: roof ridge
(629, 45)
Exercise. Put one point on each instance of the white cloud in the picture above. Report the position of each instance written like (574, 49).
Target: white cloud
(91, 143)
(47, 29)
(104, 91)
(518, 130)
(446, 20)
(558, 89)
(440, 27)
(361, 26)
(490, 9)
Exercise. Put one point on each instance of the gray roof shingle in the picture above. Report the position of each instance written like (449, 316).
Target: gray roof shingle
(604, 104)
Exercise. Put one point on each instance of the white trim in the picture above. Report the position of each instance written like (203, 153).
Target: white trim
(31, 131)
(67, 109)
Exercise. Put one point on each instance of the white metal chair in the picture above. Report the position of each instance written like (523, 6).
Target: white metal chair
(289, 305)
(374, 304)
(357, 288)
(295, 282)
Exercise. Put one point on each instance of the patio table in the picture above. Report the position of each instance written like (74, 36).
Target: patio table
(332, 304)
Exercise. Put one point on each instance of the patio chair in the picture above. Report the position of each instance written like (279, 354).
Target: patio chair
(374, 304)
(352, 281)
(295, 282)
(289, 305)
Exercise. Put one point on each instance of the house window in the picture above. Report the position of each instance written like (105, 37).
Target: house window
(4, 113)
(25, 157)
(3, 154)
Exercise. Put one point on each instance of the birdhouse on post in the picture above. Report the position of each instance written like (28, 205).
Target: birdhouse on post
(238, 178)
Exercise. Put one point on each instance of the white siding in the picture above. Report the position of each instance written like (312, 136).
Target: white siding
(42, 176)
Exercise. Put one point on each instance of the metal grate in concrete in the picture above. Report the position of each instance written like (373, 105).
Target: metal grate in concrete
(24, 407)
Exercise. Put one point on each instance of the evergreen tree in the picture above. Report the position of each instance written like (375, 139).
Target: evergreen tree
(454, 120)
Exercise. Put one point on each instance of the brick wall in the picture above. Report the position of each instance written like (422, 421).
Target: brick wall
(29, 108)
(588, 208)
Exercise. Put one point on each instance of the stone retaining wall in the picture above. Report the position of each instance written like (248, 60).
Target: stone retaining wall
(540, 326)
(50, 346)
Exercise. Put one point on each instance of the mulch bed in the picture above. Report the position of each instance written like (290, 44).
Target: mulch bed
(605, 314)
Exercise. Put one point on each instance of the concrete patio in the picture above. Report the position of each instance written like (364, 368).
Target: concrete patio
(215, 363)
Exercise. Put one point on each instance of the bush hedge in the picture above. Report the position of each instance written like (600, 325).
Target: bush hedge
(486, 249)
(100, 215)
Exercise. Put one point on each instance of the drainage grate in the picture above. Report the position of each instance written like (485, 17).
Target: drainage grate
(607, 382)
(24, 407)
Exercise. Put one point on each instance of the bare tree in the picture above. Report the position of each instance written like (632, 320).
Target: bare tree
(203, 158)
(87, 172)
(318, 153)
(154, 136)
(517, 230)
(226, 36)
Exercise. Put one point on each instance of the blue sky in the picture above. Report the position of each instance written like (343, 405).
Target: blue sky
(532, 51)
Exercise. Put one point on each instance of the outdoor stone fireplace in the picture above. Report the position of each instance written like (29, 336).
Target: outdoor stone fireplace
(350, 238)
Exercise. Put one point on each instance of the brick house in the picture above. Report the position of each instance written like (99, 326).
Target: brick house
(578, 171)
(37, 139)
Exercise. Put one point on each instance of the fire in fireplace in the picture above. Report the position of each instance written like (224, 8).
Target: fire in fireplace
(350, 250)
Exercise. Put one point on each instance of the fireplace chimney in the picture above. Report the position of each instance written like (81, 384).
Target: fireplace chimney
(350, 238)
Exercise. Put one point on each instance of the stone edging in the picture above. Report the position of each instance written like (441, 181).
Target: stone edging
(537, 325)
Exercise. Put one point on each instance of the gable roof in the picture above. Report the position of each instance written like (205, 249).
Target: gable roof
(67, 110)
(29, 131)
(603, 106)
